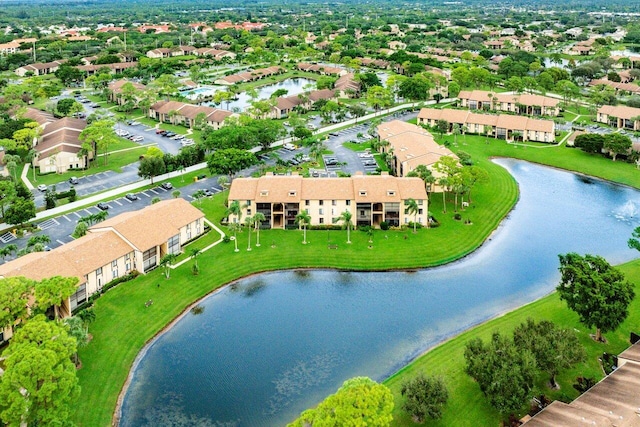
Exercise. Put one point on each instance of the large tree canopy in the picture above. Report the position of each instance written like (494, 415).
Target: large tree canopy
(595, 290)
(230, 161)
(39, 383)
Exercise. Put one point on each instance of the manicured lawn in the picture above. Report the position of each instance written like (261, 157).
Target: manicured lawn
(114, 163)
(106, 361)
(124, 324)
(467, 405)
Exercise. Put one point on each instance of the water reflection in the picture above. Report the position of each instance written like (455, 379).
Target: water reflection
(272, 345)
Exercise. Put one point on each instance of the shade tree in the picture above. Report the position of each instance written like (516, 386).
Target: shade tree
(425, 397)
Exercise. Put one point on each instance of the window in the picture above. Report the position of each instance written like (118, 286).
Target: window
(173, 244)
(98, 271)
(307, 211)
(149, 258)
(321, 211)
(348, 202)
(114, 272)
(363, 193)
(306, 203)
(189, 229)
(292, 193)
(248, 212)
(197, 226)
(361, 213)
(321, 202)
(334, 203)
(321, 220)
(248, 203)
(114, 264)
(264, 193)
(79, 297)
(391, 193)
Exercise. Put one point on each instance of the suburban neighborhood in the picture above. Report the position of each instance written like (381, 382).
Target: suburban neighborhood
(217, 213)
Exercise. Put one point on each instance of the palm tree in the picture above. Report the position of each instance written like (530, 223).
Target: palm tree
(175, 194)
(11, 161)
(303, 219)
(248, 221)
(258, 217)
(166, 262)
(412, 208)
(345, 218)
(235, 209)
(193, 253)
(234, 227)
(443, 181)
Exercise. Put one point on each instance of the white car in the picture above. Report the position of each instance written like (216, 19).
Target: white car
(288, 146)
(42, 187)
(122, 132)
(187, 142)
(138, 138)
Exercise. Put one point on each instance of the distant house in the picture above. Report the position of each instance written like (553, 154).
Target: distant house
(214, 53)
(182, 113)
(347, 86)
(377, 63)
(115, 68)
(619, 87)
(155, 29)
(39, 68)
(168, 52)
(250, 76)
(115, 90)
(322, 69)
(500, 126)
(59, 148)
(619, 116)
(286, 104)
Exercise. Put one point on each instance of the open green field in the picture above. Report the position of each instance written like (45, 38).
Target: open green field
(107, 360)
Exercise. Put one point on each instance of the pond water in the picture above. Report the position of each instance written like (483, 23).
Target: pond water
(292, 86)
(269, 346)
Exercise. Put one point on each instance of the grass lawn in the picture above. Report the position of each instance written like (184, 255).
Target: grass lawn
(467, 405)
(115, 162)
(108, 358)
(106, 361)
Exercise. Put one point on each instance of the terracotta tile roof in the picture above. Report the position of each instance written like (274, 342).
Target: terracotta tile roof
(317, 95)
(505, 121)
(346, 82)
(524, 99)
(41, 117)
(152, 225)
(116, 86)
(64, 123)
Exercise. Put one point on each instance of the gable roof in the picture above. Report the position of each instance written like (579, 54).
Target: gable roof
(152, 225)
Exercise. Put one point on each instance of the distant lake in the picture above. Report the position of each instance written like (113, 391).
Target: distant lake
(293, 86)
(272, 345)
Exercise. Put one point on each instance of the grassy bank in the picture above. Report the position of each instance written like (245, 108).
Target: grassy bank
(124, 324)
(467, 406)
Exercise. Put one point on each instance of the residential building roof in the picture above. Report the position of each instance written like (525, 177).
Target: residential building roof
(153, 225)
(620, 111)
(527, 99)
(294, 188)
(505, 121)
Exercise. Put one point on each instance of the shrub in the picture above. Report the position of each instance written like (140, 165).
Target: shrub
(226, 239)
(384, 225)
(365, 228)
(457, 217)
(425, 397)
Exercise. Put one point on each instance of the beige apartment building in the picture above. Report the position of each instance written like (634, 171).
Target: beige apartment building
(410, 146)
(526, 103)
(619, 116)
(502, 126)
(371, 199)
(113, 248)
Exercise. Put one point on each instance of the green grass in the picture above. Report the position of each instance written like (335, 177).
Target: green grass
(107, 360)
(114, 163)
(467, 405)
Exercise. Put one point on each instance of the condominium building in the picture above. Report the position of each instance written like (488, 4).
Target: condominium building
(370, 199)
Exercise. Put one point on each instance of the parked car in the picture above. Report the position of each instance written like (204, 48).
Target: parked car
(42, 187)
(288, 146)
(330, 162)
(169, 134)
(187, 142)
(160, 131)
(79, 115)
(167, 185)
(138, 138)
(207, 192)
(131, 196)
(103, 206)
(121, 132)
(73, 180)
(178, 137)
(94, 105)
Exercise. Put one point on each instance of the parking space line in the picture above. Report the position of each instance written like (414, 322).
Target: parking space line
(77, 214)
(88, 211)
(116, 201)
(145, 194)
(153, 191)
(66, 217)
(60, 241)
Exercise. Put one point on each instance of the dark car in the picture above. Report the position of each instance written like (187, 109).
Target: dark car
(169, 134)
(207, 192)
(131, 196)
(103, 206)
(167, 185)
